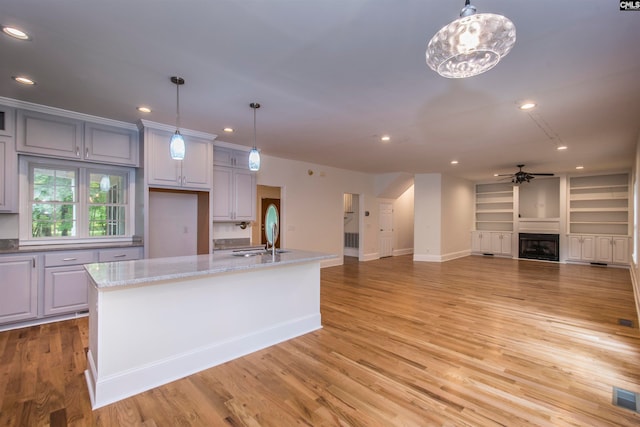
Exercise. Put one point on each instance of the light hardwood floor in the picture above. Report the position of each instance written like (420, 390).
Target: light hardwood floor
(471, 342)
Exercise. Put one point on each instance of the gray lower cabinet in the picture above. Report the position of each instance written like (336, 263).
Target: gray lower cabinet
(65, 290)
(56, 279)
(18, 288)
(66, 282)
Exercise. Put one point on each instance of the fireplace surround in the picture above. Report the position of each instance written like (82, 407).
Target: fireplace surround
(539, 246)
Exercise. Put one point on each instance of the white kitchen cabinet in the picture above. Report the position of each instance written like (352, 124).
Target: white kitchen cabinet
(18, 288)
(194, 172)
(66, 137)
(582, 248)
(8, 175)
(234, 194)
(612, 249)
(224, 156)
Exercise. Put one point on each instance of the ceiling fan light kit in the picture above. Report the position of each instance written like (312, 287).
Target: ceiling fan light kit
(521, 176)
(470, 45)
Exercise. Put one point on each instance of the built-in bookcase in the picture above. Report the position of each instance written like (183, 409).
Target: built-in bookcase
(494, 207)
(599, 204)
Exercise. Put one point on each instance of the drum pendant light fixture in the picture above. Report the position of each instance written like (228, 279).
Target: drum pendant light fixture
(254, 154)
(470, 45)
(176, 146)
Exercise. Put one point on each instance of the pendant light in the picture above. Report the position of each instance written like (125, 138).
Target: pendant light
(105, 183)
(254, 154)
(470, 45)
(176, 146)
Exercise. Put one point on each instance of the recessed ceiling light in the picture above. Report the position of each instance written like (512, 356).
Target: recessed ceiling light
(579, 167)
(496, 174)
(16, 33)
(144, 109)
(454, 162)
(229, 130)
(527, 105)
(385, 138)
(561, 147)
(23, 80)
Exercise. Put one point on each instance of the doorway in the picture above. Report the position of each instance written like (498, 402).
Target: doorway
(267, 194)
(385, 238)
(351, 227)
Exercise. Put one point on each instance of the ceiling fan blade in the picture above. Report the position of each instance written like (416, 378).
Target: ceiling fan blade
(505, 174)
(541, 174)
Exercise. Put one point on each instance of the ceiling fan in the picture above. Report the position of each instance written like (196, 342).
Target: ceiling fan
(521, 176)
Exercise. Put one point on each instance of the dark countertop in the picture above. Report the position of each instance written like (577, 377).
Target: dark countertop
(6, 249)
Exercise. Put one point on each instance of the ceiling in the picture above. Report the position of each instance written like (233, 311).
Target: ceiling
(333, 76)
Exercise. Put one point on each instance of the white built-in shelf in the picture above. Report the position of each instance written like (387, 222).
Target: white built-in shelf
(494, 207)
(599, 204)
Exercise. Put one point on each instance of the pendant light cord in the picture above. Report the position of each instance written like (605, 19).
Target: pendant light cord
(178, 104)
(254, 127)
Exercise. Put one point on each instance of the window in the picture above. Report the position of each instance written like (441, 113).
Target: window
(66, 201)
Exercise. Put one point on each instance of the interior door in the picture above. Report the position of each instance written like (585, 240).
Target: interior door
(265, 205)
(385, 238)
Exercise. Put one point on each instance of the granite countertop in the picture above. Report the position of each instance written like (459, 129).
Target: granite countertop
(16, 249)
(139, 272)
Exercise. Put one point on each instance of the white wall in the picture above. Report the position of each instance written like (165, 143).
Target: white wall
(427, 214)
(403, 221)
(312, 205)
(457, 217)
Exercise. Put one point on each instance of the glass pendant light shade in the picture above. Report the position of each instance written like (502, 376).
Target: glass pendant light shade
(176, 146)
(470, 45)
(254, 159)
(254, 154)
(105, 183)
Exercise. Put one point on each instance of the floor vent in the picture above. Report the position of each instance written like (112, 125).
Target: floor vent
(625, 399)
(625, 322)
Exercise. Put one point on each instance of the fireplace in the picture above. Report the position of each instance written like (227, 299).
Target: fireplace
(539, 246)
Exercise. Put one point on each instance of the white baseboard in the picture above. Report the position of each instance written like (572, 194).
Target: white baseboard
(333, 262)
(399, 252)
(441, 258)
(636, 290)
(370, 257)
(113, 388)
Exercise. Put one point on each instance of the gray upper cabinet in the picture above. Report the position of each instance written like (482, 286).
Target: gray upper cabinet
(66, 137)
(8, 176)
(110, 144)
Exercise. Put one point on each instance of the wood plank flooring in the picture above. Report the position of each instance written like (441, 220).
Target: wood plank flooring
(471, 342)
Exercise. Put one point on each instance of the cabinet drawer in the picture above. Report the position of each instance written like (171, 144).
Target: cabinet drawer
(120, 254)
(54, 259)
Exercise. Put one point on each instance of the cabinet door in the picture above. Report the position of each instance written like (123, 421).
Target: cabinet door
(620, 252)
(110, 144)
(197, 164)
(245, 195)
(588, 248)
(506, 243)
(49, 135)
(18, 288)
(222, 156)
(163, 170)
(222, 193)
(475, 241)
(485, 242)
(65, 290)
(119, 254)
(575, 247)
(603, 249)
(8, 176)
(496, 243)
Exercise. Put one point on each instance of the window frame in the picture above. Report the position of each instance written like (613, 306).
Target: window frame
(84, 171)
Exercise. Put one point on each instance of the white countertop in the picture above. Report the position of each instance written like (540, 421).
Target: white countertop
(129, 273)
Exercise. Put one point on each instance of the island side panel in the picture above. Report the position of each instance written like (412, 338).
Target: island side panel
(148, 335)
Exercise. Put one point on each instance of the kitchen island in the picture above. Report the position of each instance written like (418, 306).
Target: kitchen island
(154, 321)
